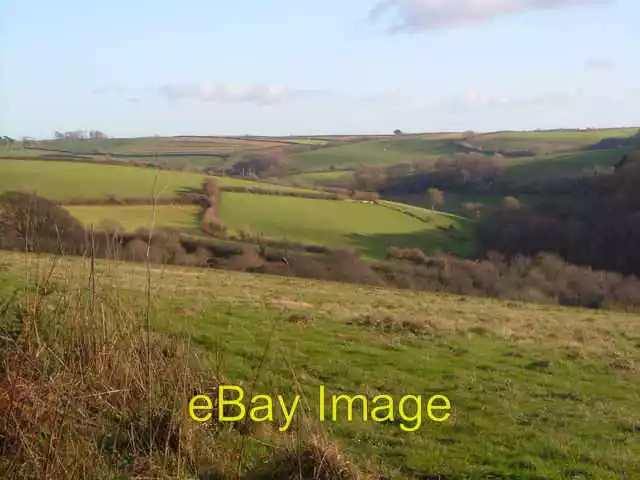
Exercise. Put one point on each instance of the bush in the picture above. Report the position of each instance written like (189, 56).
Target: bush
(249, 258)
(414, 255)
(511, 203)
(32, 223)
(284, 193)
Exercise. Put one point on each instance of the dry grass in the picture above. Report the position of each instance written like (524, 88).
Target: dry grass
(590, 330)
(75, 395)
(75, 398)
(89, 391)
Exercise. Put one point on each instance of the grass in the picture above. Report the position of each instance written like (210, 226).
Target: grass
(559, 165)
(134, 217)
(377, 152)
(558, 153)
(162, 145)
(75, 180)
(548, 141)
(371, 229)
(537, 391)
(329, 178)
(454, 201)
(319, 176)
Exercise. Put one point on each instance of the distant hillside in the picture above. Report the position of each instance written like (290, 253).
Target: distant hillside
(377, 152)
(543, 142)
(73, 180)
(370, 229)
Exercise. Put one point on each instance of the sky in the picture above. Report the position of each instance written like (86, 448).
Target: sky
(304, 67)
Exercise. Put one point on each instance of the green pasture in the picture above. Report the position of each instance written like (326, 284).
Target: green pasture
(371, 229)
(75, 180)
(134, 217)
(547, 141)
(536, 392)
(376, 152)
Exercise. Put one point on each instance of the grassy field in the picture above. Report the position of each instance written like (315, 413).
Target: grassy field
(369, 228)
(321, 178)
(454, 201)
(559, 165)
(163, 145)
(69, 180)
(547, 142)
(377, 152)
(133, 217)
(537, 392)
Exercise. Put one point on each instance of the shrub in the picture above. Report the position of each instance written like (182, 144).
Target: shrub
(414, 255)
(511, 203)
(112, 227)
(35, 224)
(249, 258)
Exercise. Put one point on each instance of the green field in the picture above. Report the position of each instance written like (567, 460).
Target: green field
(377, 152)
(321, 178)
(133, 217)
(454, 201)
(372, 229)
(555, 151)
(537, 392)
(75, 180)
(559, 165)
(549, 141)
(163, 145)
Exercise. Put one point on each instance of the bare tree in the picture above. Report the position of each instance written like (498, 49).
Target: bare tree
(97, 135)
(511, 203)
(473, 209)
(8, 142)
(436, 197)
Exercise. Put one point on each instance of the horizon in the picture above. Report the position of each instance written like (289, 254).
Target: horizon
(366, 134)
(318, 69)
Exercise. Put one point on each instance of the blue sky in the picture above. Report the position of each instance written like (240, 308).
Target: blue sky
(202, 67)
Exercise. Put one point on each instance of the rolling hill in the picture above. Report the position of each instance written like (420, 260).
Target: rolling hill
(551, 392)
(377, 152)
(371, 229)
(60, 180)
(541, 142)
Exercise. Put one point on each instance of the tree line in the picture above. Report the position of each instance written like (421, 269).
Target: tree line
(80, 135)
(598, 226)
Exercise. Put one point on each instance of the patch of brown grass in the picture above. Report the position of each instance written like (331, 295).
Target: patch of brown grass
(317, 459)
(388, 322)
(85, 392)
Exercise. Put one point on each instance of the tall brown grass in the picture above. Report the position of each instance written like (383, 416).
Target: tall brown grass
(89, 389)
(74, 392)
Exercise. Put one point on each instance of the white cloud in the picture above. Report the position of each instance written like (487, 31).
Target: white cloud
(474, 100)
(599, 64)
(256, 94)
(260, 94)
(418, 15)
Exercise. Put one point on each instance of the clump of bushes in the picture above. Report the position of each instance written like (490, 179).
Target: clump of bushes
(282, 193)
(545, 278)
(414, 255)
(34, 224)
